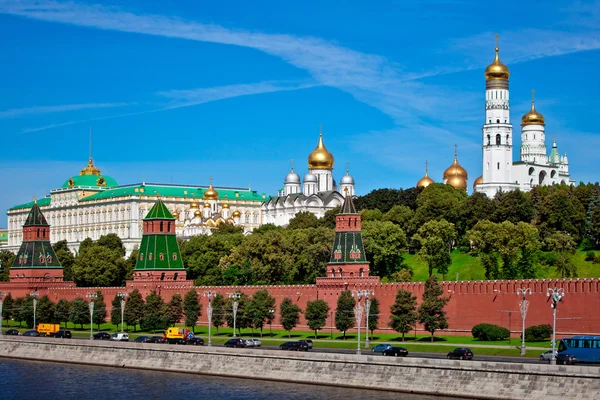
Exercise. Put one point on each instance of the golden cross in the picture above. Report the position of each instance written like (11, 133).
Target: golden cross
(426, 166)
(455, 149)
(292, 160)
(320, 129)
(532, 95)
(497, 37)
(210, 180)
(347, 167)
(34, 199)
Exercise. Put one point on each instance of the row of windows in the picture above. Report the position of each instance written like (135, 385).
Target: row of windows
(498, 140)
(582, 343)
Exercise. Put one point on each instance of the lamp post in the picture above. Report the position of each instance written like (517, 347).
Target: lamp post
(209, 310)
(123, 297)
(524, 306)
(331, 325)
(1, 295)
(92, 296)
(271, 316)
(359, 294)
(556, 295)
(35, 296)
(235, 297)
(368, 308)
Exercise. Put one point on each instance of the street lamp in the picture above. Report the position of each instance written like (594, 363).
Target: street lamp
(271, 316)
(209, 309)
(359, 310)
(92, 296)
(1, 295)
(123, 297)
(556, 295)
(235, 297)
(524, 306)
(35, 296)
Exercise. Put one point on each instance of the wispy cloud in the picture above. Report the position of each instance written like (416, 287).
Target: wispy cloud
(20, 112)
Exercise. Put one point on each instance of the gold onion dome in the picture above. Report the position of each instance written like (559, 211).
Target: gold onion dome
(194, 204)
(457, 182)
(175, 214)
(90, 169)
(455, 170)
(207, 205)
(197, 213)
(236, 214)
(226, 206)
(497, 70)
(210, 193)
(320, 158)
(532, 117)
(426, 180)
(478, 181)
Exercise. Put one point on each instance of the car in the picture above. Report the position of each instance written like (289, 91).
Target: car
(461, 353)
(196, 341)
(63, 334)
(563, 358)
(237, 342)
(298, 345)
(305, 345)
(120, 337)
(142, 339)
(310, 343)
(380, 348)
(395, 351)
(101, 336)
(157, 339)
(249, 342)
(255, 342)
(12, 332)
(547, 356)
(32, 332)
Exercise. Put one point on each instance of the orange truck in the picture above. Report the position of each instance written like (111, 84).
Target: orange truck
(48, 329)
(175, 335)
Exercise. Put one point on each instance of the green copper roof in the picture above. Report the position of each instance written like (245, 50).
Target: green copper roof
(38, 254)
(348, 248)
(89, 181)
(348, 206)
(41, 202)
(159, 211)
(35, 217)
(159, 252)
(4, 236)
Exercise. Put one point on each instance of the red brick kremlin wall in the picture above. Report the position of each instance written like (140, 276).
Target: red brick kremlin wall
(470, 302)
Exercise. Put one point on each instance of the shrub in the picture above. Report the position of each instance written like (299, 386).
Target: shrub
(538, 333)
(590, 256)
(489, 332)
(596, 259)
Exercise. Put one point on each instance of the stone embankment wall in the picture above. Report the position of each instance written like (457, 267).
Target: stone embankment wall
(467, 379)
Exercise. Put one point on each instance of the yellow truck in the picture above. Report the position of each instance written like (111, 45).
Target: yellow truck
(48, 329)
(175, 335)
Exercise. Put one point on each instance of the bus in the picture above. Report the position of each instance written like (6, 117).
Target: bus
(579, 349)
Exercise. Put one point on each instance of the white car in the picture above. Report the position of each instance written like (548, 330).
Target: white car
(255, 343)
(120, 337)
(249, 342)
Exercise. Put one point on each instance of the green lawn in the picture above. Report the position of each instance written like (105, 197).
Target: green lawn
(469, 268)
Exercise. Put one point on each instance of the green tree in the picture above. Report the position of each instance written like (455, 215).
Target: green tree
(513, 206)
(174, 310)
(477, 208)
(384, 244)
(259, 308)
(26, 312)
(202, 255)
(303, 220)
(316, 314)
(87, 242)
(373, 322)
(564, 247)
(436, 202)
(134, 309)
(328, 219)
(18, 310)
(96, 266)
(67, 260)
(99, 309)
(154, 313)
(371, 215)
(561, 212)
(594, 224)
(113, 242)
(191, 309)
(61, 312)
(218, 315)
(8, 305)
(289, 315)
(435, 239)
(431, 311)
(242, 320)
(400, 215)
(403, 313)
(344, 313)
(6, 260)
(45, 310)
(115, 312)
(79, 312)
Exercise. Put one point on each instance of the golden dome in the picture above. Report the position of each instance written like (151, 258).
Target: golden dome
(478, 181)
(426, 180)
(207, 205)
(236, 214)
(457, 182)
(320, 157)
(210, 193)
(194, 204)
(532, 117)
(497, 70)
(226, 206)
(455, 170)
(175, 214)
(90, 169)
(197, 213)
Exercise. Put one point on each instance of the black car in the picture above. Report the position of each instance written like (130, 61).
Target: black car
(157, 339)
(294, 346)
(101, 336)
(462, 353)
(565, 359)
(63, 334)
(235, 343)
(196, 341)
(12, 332)
(142, 339)
(32, 332)
(305, 344)
(395, 351)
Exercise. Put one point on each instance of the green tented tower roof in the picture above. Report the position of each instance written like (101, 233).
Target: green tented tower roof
(35, 217)
(159, 211)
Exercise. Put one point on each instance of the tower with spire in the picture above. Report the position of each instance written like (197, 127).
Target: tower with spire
(36, 260)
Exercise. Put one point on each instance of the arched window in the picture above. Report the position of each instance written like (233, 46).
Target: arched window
(162, 226)
(507, 139)
(498, 165)
(161, 256)
(498, 139)
(489, 139)
(497, 121)
(150, 256)
(174, 256)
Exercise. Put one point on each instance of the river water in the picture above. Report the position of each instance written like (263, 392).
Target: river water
(46, 380)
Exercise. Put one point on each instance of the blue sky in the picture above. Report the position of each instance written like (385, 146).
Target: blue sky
(181, 91)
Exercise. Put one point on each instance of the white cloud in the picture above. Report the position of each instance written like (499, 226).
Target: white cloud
(19, 112)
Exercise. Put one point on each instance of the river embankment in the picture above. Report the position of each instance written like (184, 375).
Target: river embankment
(470, 379)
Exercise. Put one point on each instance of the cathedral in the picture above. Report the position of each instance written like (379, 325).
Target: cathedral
(499, 171)
(317, 193)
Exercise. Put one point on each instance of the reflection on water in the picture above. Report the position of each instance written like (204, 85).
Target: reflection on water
(44, 380)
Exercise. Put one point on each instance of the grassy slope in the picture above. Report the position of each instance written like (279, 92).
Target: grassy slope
(469, 268)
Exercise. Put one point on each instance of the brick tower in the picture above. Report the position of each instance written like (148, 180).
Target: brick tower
(36, 260)
(159, 258)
